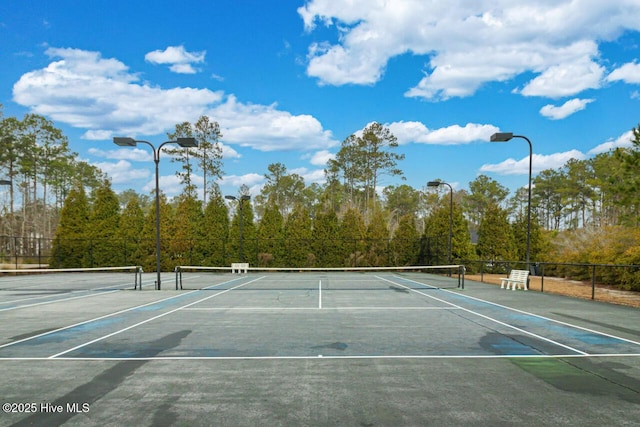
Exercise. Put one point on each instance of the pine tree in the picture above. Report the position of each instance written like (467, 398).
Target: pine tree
(242, 246)
(377, 241)
(495, 236)
(215, 230)
(520, 227)
(406, 242)
(187, 225)
(297, 232)
(70, 242)
(462, 247)
(147, 248)
(327, 244)
(271, 241)
(130, 230)
(352, 233)
(102, 229)
(437, 226)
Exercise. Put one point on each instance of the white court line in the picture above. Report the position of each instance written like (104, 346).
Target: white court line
(382, 308)
(91, 320)
(320, 357)
(593, 331)
(489, 318)
(88, 293)
(106, 316)
(152, 318)
(52, 301)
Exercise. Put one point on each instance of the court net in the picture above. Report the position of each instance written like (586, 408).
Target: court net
(346, 278)
(53, 280)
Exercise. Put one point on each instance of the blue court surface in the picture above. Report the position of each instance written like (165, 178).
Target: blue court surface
(311, 349)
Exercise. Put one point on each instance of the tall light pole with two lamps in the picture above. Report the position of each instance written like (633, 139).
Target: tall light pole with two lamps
(438, 184)
(242, 199)
(504, 137)
(130, 142)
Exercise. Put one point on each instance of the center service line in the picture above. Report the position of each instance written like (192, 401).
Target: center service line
(150, 319)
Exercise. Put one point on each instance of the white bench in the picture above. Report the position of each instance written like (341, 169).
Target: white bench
(515, 279)
(239, 267)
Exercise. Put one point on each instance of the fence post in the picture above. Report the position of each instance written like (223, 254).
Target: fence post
(593, 282)
(15, 250)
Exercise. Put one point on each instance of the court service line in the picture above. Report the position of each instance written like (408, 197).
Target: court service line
(152, 318)
(489, 318)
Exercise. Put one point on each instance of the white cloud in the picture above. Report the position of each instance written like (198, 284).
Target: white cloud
(97, 135)
(179, 60)
(622, 141)
(228, 152)
(133, 154)
(566, 79)
(628, 73)
(407, 132)
(121, 172)
(86, 91)
(566, 109)
(265, 128)
(539, 162)
(249, 179)
(467, 44)
(321, 158)
(310, 176)
(169, 185)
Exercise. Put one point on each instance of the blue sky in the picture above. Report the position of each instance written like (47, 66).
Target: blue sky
(289, 80)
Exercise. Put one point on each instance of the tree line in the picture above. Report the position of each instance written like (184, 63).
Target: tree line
(343, 221)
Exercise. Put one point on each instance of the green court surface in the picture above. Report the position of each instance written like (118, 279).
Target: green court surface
(376, 349)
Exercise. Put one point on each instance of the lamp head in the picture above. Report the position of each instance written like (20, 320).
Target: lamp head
(187, 142)
(124, 141)
(433, 184)
(501, 136)
(245, 197)
(230, 197)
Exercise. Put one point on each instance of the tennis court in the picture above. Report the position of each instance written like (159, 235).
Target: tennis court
(310, 348)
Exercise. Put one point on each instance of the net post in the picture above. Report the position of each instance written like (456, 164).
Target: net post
(137, 270)
(461, 271)
(178, 271)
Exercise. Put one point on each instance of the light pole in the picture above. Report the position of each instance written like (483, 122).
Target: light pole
(504, 137)
(438, 184)
(240, 218)
(130, 142)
